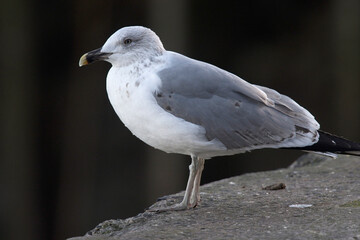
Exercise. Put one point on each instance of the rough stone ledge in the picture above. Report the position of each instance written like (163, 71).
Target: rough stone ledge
(321, 201)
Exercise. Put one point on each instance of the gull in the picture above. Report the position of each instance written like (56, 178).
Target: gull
(185, 106)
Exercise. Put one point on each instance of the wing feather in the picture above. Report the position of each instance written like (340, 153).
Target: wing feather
(237, 113)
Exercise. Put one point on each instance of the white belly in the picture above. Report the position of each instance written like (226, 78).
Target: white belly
(133, 100)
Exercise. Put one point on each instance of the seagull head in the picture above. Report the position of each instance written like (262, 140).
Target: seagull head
(126, 46)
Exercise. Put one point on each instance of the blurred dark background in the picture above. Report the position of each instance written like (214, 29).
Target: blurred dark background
(68, 163)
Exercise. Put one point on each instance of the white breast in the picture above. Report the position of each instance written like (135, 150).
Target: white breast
(131, 94)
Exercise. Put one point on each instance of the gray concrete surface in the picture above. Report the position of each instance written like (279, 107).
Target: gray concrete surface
(321, 200)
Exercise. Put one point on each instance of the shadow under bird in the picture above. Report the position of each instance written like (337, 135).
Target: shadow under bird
(181, 105)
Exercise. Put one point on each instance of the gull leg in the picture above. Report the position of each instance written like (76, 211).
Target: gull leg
(195, 195)
(185, 204)
(193, 168)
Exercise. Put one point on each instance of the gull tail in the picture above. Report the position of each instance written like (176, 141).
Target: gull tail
(329, 143)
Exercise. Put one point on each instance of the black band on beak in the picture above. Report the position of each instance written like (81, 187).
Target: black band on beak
(93, 56)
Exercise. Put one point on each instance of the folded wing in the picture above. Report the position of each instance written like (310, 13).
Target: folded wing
(237, 113)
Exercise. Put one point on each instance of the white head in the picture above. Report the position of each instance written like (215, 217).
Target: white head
(125, 46)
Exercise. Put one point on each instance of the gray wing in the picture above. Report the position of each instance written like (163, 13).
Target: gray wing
(237, 113)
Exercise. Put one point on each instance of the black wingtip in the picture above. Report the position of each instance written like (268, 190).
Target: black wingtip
(334, 144)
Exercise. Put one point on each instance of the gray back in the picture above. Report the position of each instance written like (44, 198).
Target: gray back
(230, 109)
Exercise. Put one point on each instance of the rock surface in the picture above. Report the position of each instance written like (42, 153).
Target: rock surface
(321, 200)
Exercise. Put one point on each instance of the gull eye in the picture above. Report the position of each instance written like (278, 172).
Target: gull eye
(127, 41)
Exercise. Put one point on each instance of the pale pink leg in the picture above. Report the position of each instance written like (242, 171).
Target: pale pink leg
(192, 188)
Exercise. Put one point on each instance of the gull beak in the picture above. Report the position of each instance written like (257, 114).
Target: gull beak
(93, 56)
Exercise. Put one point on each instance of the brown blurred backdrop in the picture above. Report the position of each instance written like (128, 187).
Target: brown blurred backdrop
(68, 163)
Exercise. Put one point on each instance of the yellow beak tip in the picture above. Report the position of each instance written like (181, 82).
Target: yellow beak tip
(83, 61)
